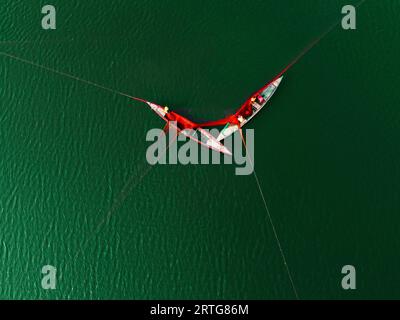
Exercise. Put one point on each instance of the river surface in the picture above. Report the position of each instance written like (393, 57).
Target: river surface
(77, 193)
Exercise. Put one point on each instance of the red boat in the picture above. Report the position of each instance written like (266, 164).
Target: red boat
(232, 122)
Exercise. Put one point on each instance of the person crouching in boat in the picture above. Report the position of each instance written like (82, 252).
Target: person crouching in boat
(248, 111)
(170, 116)
(182, 122)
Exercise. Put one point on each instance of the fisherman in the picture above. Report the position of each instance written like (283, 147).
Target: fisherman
(169, 115)
(248, 111)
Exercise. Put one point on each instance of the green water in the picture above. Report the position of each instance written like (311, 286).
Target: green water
(326, 151)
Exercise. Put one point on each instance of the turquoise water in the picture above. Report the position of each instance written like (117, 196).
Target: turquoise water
(326, 151)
